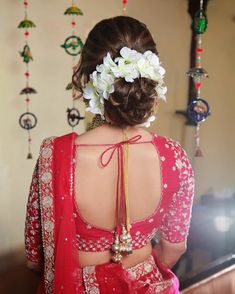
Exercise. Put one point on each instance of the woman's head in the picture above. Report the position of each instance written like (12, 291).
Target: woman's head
(130, 103)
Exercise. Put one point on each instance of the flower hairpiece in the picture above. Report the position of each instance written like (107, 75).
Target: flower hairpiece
(129, 66)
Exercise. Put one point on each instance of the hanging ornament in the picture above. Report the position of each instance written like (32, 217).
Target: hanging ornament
(28, 90)
(197, 72)
(73, 117)
(26, 23)
(27, 120)
(26, 54)
(73, 46)
(73, 10)
(200, 22)
(199, 109)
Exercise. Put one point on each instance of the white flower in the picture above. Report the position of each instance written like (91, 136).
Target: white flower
(89, 92)
(107, 65)
(129, 55)
(147, 65)
(127, 65)
(95, 103)
(105, 85)
(125, 70)
(130, 65)
(161, 90)
(148, 122)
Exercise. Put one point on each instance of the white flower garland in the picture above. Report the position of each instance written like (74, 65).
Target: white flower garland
(131, 65)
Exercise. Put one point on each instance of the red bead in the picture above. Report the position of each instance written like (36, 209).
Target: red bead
(26, 3)
(27, 74)
(73, 23)
(199, 50)
(26, 34)
(124, 1)
(198, 85)
(29, 139)
(27, 100)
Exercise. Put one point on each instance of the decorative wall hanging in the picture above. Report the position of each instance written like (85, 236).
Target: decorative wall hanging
(198, 109)
(27, 120)
(72, 46)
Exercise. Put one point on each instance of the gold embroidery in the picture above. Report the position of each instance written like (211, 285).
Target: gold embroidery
(47, 215)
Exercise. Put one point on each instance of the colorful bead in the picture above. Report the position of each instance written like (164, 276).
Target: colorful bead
(27, 74)
(199, 50)
(200, 22)
(73, 23)
(26, 33)
(198, 85)
(26, 3)
(124, 1)
(27, 100)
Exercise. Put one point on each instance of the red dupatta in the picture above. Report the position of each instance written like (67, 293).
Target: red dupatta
(61, 264)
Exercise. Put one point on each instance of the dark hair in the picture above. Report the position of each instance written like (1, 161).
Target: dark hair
(131, 103)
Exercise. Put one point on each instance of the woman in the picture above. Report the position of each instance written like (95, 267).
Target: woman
(97, 200)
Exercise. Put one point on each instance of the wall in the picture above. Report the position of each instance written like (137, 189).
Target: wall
(51, 70)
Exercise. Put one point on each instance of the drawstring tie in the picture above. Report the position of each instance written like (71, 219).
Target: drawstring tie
(122, 244)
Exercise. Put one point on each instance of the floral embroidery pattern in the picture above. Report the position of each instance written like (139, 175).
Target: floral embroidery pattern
(176, 221)
(33, 242)
(146, 274)
(90, 282)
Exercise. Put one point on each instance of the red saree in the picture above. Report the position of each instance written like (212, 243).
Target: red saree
(50, 235)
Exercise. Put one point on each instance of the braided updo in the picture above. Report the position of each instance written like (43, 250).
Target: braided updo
(131, 103)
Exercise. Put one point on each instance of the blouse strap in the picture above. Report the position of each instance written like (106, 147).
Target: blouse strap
(115, 147)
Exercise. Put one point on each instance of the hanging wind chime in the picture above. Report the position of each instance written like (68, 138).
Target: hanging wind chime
(198, 109)
(72, 46)
(27, 120)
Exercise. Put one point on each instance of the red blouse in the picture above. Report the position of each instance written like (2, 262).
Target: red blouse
(171, 217)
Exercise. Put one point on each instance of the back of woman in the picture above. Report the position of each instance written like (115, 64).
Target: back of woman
(96, 202)
(97, 199)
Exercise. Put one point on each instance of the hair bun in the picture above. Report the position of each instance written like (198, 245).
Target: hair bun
(131, 103)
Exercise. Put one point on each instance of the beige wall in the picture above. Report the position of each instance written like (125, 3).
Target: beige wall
(169, 22)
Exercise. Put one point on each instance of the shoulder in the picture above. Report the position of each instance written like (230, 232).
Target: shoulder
(173, 151)
(50, 141)
(168, 145)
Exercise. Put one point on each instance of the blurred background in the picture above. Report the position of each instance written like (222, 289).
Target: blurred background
(212, 234)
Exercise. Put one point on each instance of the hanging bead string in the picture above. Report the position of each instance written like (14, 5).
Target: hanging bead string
(27, 120)
(198, 109)
(73, 46)
(73, 23)
(124, 5)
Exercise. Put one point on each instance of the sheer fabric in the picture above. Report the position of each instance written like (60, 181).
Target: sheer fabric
(51, 231)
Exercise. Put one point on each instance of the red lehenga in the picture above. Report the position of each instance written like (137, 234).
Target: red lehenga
(53, 223)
